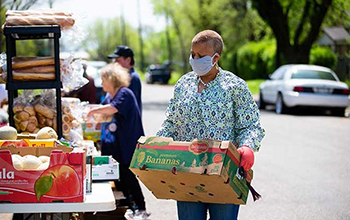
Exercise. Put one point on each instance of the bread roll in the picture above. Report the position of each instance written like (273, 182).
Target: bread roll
(23, 125)
(16, 119)
(65, 118)
(44, 110)
(23, 116)
(34, 120)
(31, 127)
(18, 108)
(49, 122)
(29, 109)
(41, 119)
(65, 128)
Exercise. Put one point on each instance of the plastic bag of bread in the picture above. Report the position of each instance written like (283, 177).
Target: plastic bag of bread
(72, 74)
(68, 119)
(45, 108)
(39, 17)
(3, 68)
(24, 113)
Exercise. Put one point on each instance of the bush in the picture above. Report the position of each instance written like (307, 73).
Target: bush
(323, 56)
(255, 60)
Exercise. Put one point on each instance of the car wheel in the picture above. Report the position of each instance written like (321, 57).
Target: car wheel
(338, 112)
(280, 106)
(261, 103)
(149, 80)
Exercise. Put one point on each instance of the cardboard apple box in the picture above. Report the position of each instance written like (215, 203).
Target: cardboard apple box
(30, 143)
(198, 171)
(62, 181)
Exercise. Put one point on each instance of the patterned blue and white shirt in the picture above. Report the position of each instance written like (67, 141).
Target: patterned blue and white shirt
(225, 110)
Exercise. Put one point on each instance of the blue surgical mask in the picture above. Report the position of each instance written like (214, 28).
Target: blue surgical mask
(202, 65)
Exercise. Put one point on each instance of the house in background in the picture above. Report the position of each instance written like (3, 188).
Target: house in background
(338, 39)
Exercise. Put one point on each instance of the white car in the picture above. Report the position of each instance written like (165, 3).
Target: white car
(304, 85)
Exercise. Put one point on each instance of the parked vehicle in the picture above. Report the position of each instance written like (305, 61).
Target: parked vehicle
(304, 85)
(158, 73)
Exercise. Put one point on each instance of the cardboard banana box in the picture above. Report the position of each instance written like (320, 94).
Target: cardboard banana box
(201, 170)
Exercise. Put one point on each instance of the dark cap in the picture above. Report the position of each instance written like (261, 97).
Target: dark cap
(122, 51)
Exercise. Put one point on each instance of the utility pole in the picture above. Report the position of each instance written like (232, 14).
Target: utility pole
(168, 36)
(124, 39)
(140, 36)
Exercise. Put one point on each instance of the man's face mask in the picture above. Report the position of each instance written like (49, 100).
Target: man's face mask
(202, 65)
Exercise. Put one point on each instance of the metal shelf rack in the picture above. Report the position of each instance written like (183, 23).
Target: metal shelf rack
(12, 34)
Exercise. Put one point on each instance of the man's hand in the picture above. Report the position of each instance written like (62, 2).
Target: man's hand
(247, 157)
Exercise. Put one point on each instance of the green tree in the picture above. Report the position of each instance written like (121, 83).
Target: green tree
(296, 24)
(105, 35)
(172, 10)
(235, 20)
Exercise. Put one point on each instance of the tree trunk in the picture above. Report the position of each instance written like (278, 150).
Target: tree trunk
(277, 17)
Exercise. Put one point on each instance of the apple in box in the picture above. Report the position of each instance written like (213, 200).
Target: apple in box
(59, 180)
(62, 181)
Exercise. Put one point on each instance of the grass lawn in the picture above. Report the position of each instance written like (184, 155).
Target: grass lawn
(254, 84)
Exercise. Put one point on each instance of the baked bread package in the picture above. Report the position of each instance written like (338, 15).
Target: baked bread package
(45, 108)
(39, 17)
(24, 113)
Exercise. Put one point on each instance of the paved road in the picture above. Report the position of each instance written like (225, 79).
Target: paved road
(302, 169)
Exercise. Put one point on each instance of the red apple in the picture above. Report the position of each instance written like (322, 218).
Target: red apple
(59, 180)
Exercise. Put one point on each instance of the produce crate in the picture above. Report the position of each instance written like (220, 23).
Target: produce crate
(62, 181)
(201, 170)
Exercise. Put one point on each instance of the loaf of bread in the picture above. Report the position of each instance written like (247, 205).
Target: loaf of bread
(29, 62)
(38, 69)
(36, 13)
(32, 76)
(62, 21)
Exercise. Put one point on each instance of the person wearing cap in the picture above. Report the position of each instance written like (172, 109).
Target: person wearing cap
(125, 57)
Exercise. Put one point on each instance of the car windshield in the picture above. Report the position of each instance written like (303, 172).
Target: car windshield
(313, 74)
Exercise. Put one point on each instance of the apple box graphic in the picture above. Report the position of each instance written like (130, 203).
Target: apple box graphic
(62, 181)
(59, 180)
